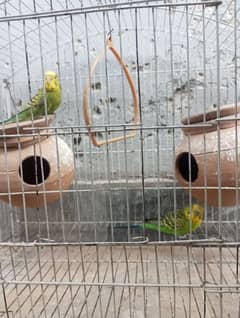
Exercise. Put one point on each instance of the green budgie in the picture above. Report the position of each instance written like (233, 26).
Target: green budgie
(184, 218)
(36, 107)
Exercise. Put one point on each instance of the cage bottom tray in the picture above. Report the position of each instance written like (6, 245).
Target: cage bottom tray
(118, 281)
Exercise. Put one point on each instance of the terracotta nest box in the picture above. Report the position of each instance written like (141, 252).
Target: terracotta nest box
(207, 160)
(34, 167)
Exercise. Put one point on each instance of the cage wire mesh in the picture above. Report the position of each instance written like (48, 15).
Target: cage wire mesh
(86, 254)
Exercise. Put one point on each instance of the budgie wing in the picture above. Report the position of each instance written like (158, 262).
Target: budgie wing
(169, 222)
(33, 109)
(36, 101)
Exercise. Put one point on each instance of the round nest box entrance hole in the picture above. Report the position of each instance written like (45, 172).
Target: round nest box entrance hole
(187, 166)
(34, 170)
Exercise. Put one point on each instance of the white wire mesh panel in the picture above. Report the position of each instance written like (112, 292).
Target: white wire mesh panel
(182, 61)
(92, 252)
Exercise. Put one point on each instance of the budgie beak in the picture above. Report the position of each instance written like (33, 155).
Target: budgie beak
(50, 81)
(197, 213)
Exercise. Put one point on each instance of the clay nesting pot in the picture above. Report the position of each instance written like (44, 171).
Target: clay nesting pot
(33, 169)
(207, 157)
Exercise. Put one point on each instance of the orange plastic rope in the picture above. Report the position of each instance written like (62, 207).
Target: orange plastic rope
(86, 99)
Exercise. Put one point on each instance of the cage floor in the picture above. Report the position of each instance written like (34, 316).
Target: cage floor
(118, 281)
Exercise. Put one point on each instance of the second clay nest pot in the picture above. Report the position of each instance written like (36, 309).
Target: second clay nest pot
(207, 160)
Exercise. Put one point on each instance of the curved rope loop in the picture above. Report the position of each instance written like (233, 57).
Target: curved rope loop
(86, 98)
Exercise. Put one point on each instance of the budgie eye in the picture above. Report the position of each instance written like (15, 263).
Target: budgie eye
(196, 212)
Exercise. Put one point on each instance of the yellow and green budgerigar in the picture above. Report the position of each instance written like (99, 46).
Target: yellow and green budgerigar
(35, 108)
(183, 222)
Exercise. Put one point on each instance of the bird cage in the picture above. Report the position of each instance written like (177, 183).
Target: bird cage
(146, 223)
